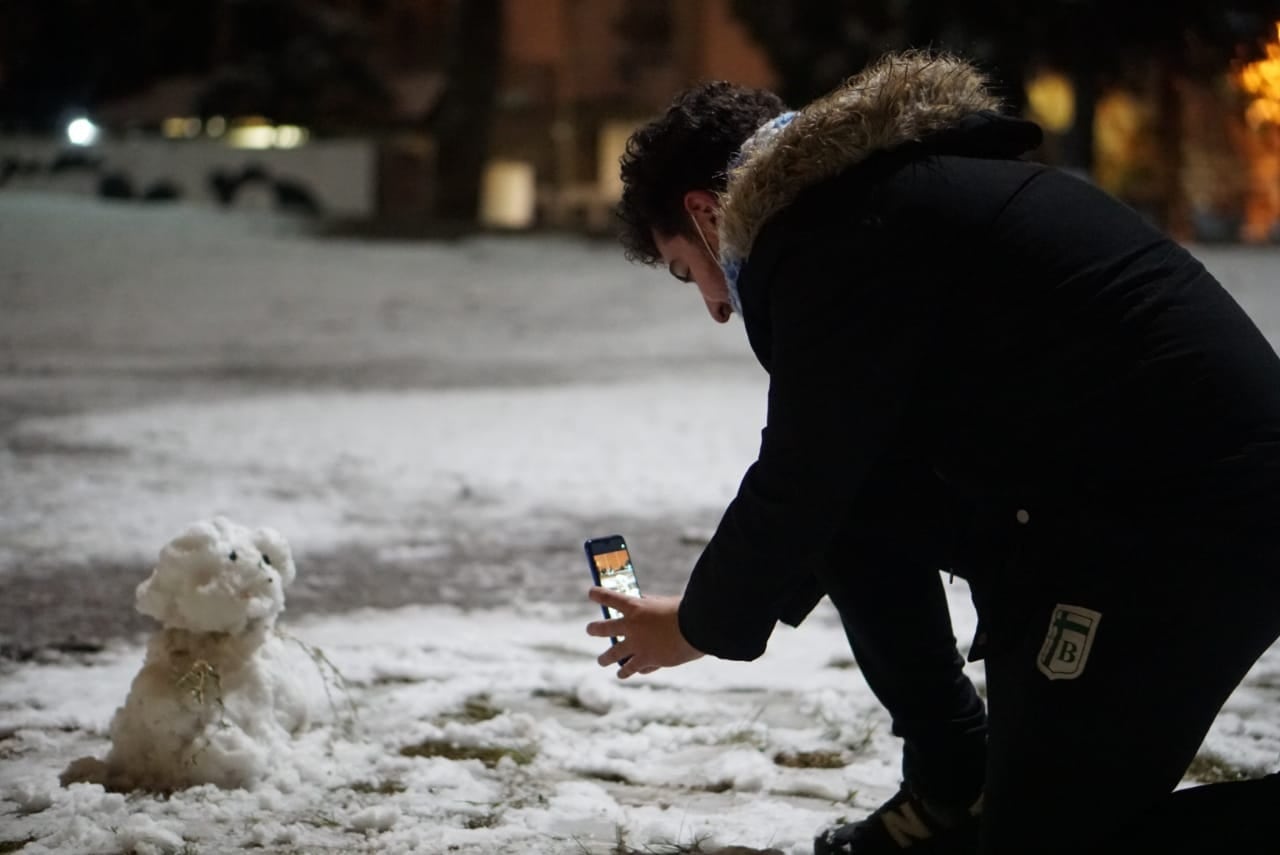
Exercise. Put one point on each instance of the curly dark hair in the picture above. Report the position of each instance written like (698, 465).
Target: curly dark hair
(688, 148)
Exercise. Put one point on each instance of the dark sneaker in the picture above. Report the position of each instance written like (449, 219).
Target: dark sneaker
(904, 825)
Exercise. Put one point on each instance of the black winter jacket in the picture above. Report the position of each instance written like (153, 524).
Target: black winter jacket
(1057, 362)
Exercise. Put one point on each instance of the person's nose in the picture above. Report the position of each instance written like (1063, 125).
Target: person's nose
(720, 311)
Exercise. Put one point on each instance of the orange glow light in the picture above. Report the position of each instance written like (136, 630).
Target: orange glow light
(1261, 79)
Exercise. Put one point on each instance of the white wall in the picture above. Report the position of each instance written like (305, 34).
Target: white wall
(341, 174)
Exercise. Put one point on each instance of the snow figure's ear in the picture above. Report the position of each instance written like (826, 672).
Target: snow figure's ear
(187, 563)
(197, 538)
(276, 553)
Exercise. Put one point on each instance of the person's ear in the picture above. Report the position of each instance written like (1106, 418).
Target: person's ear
(702, 204)
(703, 207)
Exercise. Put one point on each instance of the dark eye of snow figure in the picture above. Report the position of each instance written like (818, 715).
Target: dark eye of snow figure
(233, 555)
(267, 559)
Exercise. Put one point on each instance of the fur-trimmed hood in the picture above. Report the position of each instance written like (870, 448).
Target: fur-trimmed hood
(902, 98)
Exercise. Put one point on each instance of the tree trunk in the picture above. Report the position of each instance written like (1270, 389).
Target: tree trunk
(1176, 217)
(465, 117)
(1078, 144)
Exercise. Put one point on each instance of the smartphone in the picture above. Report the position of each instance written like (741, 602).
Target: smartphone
(611, 568)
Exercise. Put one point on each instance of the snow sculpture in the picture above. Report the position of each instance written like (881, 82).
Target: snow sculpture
(220, 693)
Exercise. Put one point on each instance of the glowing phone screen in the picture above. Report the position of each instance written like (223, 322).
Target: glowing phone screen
(617, 574)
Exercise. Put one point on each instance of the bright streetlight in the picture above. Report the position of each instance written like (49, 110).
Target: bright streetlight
(82, 132)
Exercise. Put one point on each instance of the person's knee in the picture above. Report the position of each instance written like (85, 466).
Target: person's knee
(1236, 817)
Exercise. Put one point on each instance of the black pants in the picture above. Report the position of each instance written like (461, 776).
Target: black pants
(882, 575)
(1088, 763)
(1085, 761)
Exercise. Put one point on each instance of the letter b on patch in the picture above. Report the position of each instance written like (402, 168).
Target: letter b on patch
(1066, 647)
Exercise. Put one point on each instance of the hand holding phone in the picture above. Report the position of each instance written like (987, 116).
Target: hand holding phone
(611, 568)
(652, 639)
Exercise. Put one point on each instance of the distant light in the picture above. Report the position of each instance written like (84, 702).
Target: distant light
(252, 136)
(508, 194)
(180, 128)
(611, 144)
(1052, 99)
(1261, 80)
(256, 133)
(82, 132)
(290, 136)
(216, 126)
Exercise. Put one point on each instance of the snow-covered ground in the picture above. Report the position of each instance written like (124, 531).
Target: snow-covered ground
(435, 428)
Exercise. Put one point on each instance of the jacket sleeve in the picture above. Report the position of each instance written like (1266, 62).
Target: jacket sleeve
(851, 335)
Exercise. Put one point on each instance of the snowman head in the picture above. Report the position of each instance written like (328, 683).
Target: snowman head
(218, 576)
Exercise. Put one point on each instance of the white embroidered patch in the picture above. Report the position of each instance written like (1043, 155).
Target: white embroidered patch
(1068, 642)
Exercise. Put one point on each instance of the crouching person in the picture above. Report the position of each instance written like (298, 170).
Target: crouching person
(984, 366)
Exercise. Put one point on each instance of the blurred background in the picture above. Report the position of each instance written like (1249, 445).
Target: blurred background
(420, 116)
(195, 320)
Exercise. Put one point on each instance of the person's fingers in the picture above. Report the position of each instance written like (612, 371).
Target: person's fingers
(612, 599)
(616, 653)
(606, 628)
(631, 666)
(650, 669)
